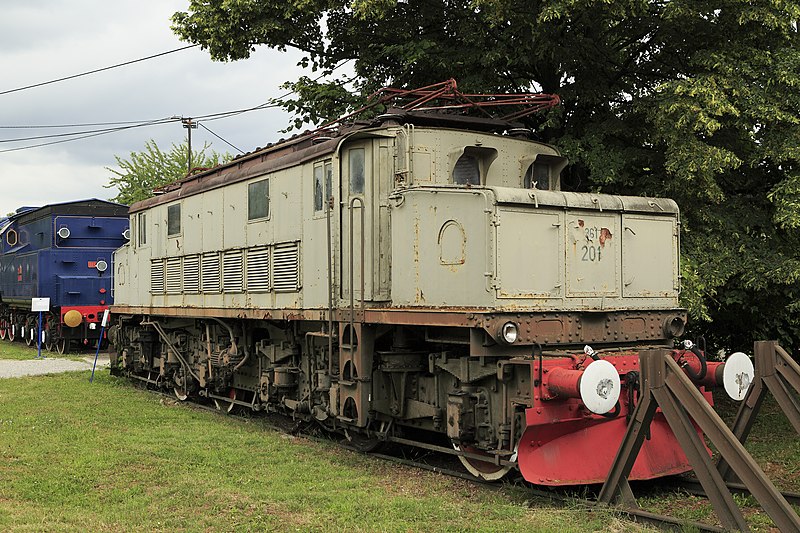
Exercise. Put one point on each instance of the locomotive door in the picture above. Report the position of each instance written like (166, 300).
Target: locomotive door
(356, 222)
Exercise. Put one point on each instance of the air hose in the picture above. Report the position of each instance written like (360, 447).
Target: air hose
(692, 347)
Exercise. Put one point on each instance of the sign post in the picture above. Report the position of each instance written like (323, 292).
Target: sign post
(40, 305)
(103, 325)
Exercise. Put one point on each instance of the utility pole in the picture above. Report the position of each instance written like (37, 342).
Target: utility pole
(189, 124)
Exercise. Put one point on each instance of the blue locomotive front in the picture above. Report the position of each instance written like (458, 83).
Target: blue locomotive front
(62, 252)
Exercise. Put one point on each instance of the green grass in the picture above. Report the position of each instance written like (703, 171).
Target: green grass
(109, 457)
(20, 351)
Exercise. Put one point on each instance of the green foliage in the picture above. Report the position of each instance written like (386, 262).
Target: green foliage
(152, 168)
(690, 99)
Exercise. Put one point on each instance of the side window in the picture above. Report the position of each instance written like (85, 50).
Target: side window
(318, 178)
(173, 220)
(141, 227)
(328, 180)
(323, 175)
(356, 171)
(11, 237)
(258, 200)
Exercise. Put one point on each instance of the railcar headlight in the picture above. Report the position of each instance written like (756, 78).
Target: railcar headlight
(63, 232)
(509, 333)
(101, 266)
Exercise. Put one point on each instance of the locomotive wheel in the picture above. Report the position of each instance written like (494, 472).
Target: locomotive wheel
(222, 405)
(485, 470)
(3, 329)
(11, 332)
(61, 345)
(30, 335)
(180, 389)
(180, 392)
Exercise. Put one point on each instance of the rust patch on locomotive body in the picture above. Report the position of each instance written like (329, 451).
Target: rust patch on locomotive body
(605, 234)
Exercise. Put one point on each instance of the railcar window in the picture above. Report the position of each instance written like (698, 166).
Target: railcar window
(467, 171)
(328, 179)
(357, 171)
(537, 176)
(258, 200)
(141, 222)
(318, 172)
(11, 237)
(173, 219)
(323, 174)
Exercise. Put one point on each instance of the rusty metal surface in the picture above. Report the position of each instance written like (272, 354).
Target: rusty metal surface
(542, 328)
(665, 385)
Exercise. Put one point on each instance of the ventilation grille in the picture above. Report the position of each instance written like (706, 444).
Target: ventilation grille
(157, 276)
(258, 270)
(232, 271)
(210, 273)
(191, 274)
(174, 275)
(285, 267)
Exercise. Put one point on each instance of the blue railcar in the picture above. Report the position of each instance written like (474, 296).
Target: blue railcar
(62, 252)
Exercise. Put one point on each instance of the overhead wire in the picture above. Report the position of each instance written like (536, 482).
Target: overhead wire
(125, 125)
(9, 91)
(220, 138)
(104, 132)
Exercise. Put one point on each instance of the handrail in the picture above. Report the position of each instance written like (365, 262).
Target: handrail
(352, 281)
(328, 202)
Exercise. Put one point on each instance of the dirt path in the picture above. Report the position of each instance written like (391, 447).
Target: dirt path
(33, 367)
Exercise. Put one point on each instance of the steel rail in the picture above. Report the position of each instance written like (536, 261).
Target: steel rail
(693, 486)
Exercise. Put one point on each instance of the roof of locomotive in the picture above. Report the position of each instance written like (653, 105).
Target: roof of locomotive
(312, 144)
(88, 207)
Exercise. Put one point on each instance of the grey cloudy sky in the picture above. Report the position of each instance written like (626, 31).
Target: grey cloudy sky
(41, 40)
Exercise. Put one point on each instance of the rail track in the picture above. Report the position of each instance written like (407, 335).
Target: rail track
(441, 460)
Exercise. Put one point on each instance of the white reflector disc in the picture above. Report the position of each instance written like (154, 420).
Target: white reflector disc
(600, 387)
(737, 375)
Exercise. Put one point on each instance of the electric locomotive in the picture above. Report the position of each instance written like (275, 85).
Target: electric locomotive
(62, 252)
(419, 277)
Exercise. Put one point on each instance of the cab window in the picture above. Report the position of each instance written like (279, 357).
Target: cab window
(173, 220)
(323, 174)
(357, 171)
(141, 227)
(258, 200)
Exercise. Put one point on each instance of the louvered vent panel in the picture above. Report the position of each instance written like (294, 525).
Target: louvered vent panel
(232, 271)
(191, 273)
(210, 273)
(258, 269)
(285, 270)
(174, 275)
(157, 276)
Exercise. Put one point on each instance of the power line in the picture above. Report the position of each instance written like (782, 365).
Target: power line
(103, 132)
(74, 133)
(220, 138)
(125, 125)
(96, 70)
(83, 125)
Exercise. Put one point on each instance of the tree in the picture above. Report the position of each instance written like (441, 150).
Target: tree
(152, 168)
(690, 99)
